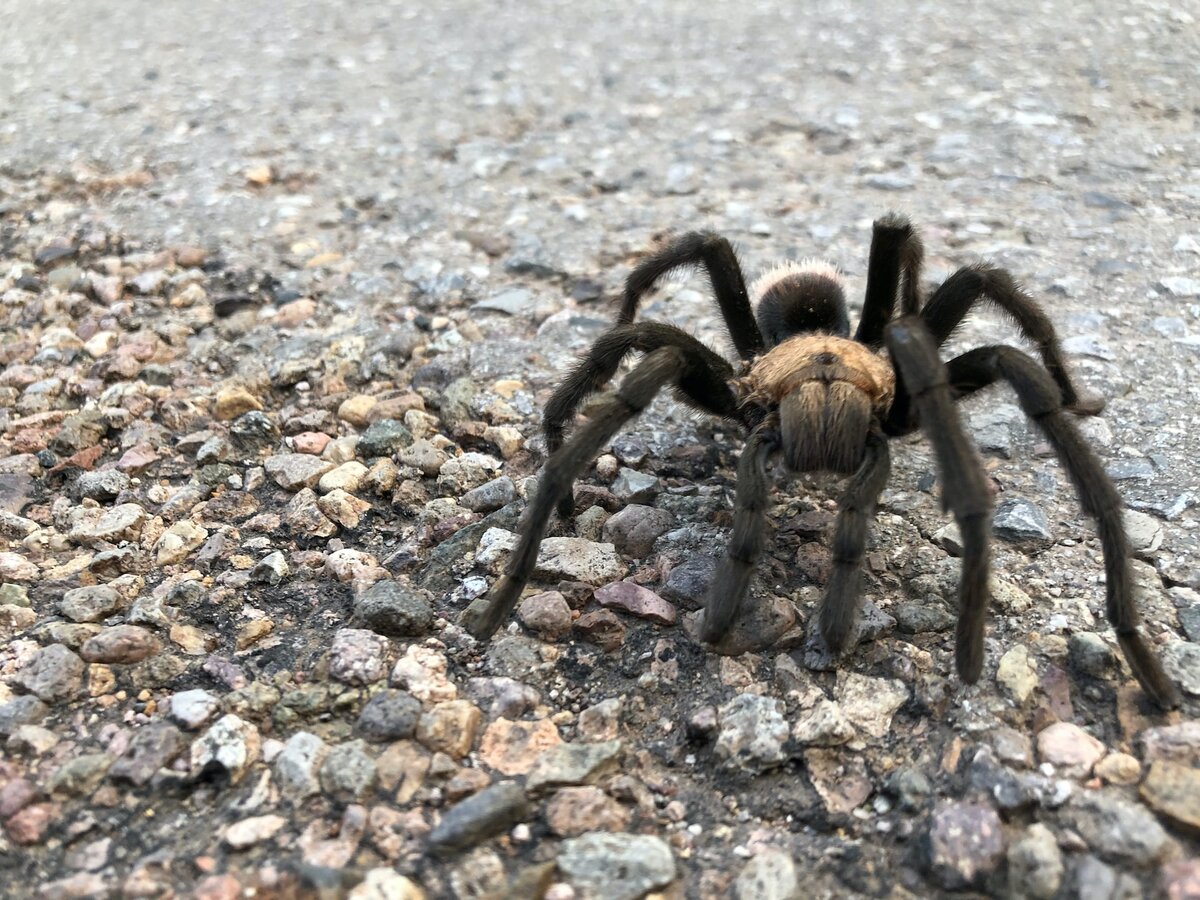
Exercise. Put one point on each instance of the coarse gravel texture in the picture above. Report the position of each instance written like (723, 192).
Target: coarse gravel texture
(283, 290)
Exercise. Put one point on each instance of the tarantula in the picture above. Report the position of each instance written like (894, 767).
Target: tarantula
(822, 400)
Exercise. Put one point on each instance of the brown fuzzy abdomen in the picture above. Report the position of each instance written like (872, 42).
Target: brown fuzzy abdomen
(824, 426)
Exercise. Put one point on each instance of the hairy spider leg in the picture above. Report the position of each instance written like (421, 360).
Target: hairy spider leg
(957, 296)
(1041, 400)
(856, 508)
(893, 266)
(716, 255)
(703, 384)
(725, 593)
(964, 490)
(658, 369)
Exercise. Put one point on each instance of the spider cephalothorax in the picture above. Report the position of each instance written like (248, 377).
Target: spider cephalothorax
(822, 400)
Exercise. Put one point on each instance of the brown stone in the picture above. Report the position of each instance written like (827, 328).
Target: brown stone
(1173, 791)
(233, 401)
(295, 313)
(123, 644)
(1069, 747)
(1180, 880)
(402, 767)
(512, 747)
(637, 601)
(30, 824)
(450, 727)
(966, 841)
(1173, 743)
(575, 810)
(603, 627)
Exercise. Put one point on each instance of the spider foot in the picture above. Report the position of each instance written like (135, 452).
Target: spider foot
(760, 624)
(1148, 670)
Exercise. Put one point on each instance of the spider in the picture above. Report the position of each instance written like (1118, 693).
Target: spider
(821, 400)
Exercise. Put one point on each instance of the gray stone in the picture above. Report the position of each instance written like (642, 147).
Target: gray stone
(424, 455)
(1189, 621)
(760, 623)
(230, 745)
(1135, 469)
(1035, 864)
(394, 609)
(388, 716)
(872, 623)
(383, 438)
(358, 656)
(80, 431)
(1088, 345)
(949, 538)
(479, 817)
(632, 486)
(438, 574)
(271, 569)
(1088, 653)
(293, 471)
(1145, 532)
(889, 181)
(966, 843)
(752, 733)
(911, 787)
(79, 775)
(23, 710)
(919, 618)
(1114, 828)
(298, 764)
(565, 558)
(152, 748)
(629, 449)
(547, 614)
(1178, 286)
(192, 709)
(1181, 659)
(1020, 520)
(494, 494)
(104, 484)
(461, 473)
(770, 875)
(55, 674)
(565, 765)
(1093, 880)
(89, 604)
(348, 771)
(1175, 743)
(869, 703)
(513, 656)
(687, 582)
(511, 302)
(214, 450)
(111, 526)
(635, 528)
(253, 431)
(617, 866)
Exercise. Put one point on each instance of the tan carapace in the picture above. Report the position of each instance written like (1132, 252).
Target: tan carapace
(829, 389)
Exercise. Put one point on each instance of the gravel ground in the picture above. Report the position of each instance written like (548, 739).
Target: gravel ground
(283, 290)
